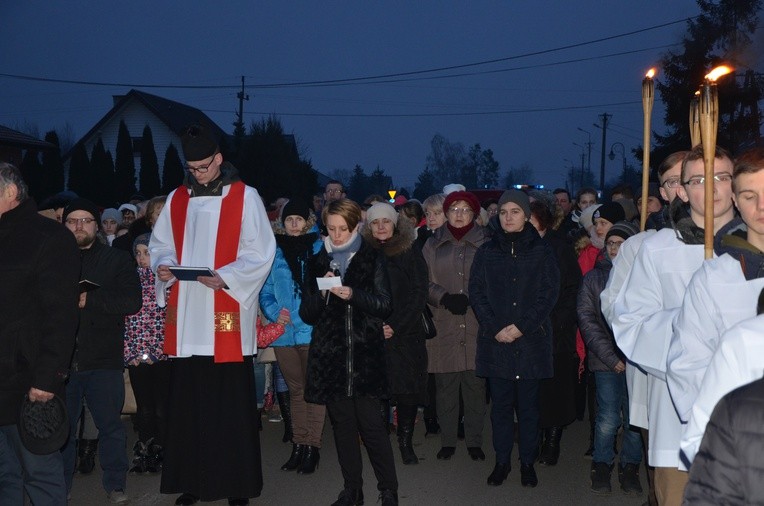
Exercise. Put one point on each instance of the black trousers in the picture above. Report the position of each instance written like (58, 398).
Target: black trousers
(151, 386)
(351, 416)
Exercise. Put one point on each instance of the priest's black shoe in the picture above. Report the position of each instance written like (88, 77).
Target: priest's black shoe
(349, 497)
(309, 462)
(446, 453)
(499, 474)
(528, 476)
(238, 501)
(186, 499)
(476, 453)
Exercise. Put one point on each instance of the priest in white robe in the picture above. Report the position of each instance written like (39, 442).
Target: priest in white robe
(212, 221)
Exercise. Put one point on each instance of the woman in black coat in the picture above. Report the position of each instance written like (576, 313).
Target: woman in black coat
(346, 361)
(557, 395)
(513, 287)
(404, 335)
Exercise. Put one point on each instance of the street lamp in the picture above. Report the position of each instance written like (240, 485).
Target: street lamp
(623, 153)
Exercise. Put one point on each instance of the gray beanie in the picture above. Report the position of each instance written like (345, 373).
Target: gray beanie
(516, 197)
(111, 214)
(381, 210)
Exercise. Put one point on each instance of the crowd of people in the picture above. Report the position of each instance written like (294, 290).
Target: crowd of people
(534, 306)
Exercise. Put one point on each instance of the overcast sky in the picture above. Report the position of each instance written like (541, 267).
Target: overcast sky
(525, 116)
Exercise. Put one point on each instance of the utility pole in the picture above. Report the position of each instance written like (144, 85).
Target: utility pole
(604, 117)
(239, 130)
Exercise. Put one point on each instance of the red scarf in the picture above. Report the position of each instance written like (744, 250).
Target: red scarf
(227, 311)
(458, 233)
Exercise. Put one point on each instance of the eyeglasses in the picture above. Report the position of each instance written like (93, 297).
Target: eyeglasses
(672, 183)
(613, 244)
(334, 192)
(73, 222)
(460, 210)
(202, 168)
(724, 177)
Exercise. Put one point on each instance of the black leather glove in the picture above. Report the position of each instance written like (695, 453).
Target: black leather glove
(456, 303)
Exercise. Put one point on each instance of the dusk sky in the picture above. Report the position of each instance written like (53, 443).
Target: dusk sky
(526, 116)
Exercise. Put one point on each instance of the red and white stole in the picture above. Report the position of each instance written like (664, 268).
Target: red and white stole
(227, 311)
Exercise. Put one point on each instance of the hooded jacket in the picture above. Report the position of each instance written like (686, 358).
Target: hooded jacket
(603, 354)
(281, 290)
(406, 351)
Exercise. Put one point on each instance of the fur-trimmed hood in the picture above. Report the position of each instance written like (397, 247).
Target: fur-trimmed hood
(310, 225)
(403, 238)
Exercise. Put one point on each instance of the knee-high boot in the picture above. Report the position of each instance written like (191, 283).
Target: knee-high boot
(286, 414)
(550, 450)
(406, 419)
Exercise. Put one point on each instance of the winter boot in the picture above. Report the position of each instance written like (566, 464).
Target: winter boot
(140, 454)
(294, 459)
(154, 456)
(286, 414)
(406, 418)
(600, 476)
(87, 452)
(309, 462)
(550, 450)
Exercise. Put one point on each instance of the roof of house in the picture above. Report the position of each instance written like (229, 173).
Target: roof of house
(10, 137)
(173, 114)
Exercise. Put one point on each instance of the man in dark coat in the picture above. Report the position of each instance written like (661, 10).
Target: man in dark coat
(98, 365)
(38, 319)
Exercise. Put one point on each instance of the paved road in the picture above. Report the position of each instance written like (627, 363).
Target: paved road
(459, 481)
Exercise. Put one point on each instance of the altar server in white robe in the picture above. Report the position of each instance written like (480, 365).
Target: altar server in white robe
(724, 291)
(644, 311)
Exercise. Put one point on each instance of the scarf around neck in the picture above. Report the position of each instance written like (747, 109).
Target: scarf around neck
(343, 253)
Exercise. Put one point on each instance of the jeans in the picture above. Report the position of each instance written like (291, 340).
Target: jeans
(612, 411)
(41, 476)
(507, 398)
(104, 391)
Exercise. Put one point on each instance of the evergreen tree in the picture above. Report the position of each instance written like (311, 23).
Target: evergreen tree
(425, 185)
(270, 161)
(52, 168)
(102, 178)
(358, 187)
(31, 171)
(124, 167)
(80, 176)
(720, 34)
(149, 176)
(379, 183)
(172, 170)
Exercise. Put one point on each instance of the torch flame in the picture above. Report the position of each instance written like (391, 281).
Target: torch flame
(718, 72)
(697, 93)
(650, 73)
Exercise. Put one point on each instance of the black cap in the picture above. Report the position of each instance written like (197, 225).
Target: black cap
(199, 143)
(80, 204)
(43, 426)
(295, 207)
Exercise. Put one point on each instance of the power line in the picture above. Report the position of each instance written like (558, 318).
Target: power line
(344, 80)
(443, 114)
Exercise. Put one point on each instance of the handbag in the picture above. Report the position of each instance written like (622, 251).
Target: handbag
(427, 324)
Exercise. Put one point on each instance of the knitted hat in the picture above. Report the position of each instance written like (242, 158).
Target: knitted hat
(295, 207)
(142, 239)
(468, 197)
(585, 220)
(111, 214)
(43, 426)
(630, 210)
(453, 187)
(381, 210)
(80, 204)
(612, 212)
(199, 143)
(623, 229)
(128, 207)
(516, 197)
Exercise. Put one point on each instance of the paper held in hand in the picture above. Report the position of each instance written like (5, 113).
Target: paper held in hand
(330, 282)
(190, 273)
